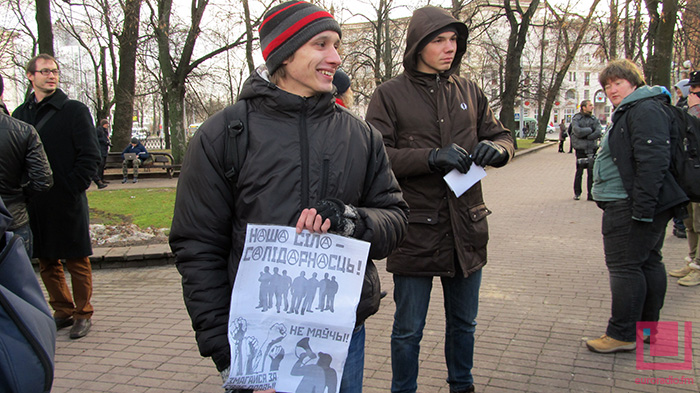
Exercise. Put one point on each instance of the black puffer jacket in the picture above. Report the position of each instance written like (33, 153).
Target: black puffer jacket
(300, 150)
(25, 168)
(640, 144)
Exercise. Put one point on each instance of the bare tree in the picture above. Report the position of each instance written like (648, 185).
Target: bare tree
(176, 70)
(519, 21)
(564, 23)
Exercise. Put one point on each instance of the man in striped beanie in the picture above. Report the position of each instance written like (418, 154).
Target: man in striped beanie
(310, 164)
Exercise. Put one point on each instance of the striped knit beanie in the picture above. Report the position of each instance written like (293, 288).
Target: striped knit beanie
(288, 26)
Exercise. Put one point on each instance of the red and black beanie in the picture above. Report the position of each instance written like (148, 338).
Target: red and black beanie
(288, 26)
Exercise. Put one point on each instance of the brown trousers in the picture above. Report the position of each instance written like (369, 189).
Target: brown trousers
(64, 305)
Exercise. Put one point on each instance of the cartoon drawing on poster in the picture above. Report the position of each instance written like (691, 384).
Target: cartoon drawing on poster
(287, 285)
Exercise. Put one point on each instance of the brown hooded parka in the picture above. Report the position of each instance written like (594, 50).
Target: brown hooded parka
(416, 113)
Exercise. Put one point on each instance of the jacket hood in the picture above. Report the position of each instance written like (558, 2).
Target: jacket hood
(645, 91)
(684, 87)
(258, 86)
(425, 21)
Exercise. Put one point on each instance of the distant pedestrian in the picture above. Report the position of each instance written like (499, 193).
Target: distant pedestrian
(60, 218)
(585, 132)
(562, 135)
(102, 132)
(25, 171)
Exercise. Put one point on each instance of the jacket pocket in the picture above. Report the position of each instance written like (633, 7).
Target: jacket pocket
(479, 228)
(423, 235)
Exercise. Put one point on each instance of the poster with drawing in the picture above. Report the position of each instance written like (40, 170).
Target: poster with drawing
(293, 309)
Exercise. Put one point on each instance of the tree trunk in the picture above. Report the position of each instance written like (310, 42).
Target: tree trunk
(614, 23)
(126, 85)
(569, 58)
(661, 29)
(516, 42)
(44, 26)
(175, 98)
(249, 38)
(102, 108)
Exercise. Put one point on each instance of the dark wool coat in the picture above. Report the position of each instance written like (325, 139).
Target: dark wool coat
(59, 218)
(300, 150)
(416, 113)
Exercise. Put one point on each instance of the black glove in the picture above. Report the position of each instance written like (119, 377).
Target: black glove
(344, 218)
(448, 158)
(488, 153)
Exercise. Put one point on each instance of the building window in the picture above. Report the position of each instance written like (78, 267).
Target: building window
(587, 79)
(572, 76)
(586, 95)
(571, 94)
(568, 114)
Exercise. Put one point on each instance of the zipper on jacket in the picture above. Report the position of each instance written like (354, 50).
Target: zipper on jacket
(325, 170)
(304, 144)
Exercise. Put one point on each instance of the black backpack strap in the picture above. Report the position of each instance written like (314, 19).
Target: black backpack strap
(236, 143)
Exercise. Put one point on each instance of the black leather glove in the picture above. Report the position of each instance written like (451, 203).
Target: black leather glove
(448, 158)
(344, 218)
(488, 153)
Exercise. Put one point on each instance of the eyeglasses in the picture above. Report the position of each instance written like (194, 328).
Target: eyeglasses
(47, 72)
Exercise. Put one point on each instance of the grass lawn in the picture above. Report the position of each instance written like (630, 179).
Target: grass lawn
(142, 206)
(524, 143)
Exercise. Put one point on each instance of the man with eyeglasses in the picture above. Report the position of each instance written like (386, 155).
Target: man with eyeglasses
(59, 218)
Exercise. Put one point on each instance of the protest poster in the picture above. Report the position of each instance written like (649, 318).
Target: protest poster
(293, 309)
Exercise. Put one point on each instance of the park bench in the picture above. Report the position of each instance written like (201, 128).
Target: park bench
(157, 160)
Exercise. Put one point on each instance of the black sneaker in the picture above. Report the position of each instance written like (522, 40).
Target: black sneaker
(467, 390)
(124, 180)
(577, 197)
(679, 233)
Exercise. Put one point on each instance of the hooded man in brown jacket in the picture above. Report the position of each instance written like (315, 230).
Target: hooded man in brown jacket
(434, 121)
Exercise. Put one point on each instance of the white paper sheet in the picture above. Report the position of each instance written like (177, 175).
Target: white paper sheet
(460, 182)
(293, 309)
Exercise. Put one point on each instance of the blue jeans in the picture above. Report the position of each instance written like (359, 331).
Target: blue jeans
(412, 296)
(634, 261)
(353, 372)
(25, 232)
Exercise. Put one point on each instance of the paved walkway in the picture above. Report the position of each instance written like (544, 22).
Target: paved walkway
(544, 291)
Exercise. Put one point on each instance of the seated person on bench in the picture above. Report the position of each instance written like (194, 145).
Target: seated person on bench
(134, 153)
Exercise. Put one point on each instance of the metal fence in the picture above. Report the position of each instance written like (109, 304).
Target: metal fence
(154, 142)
